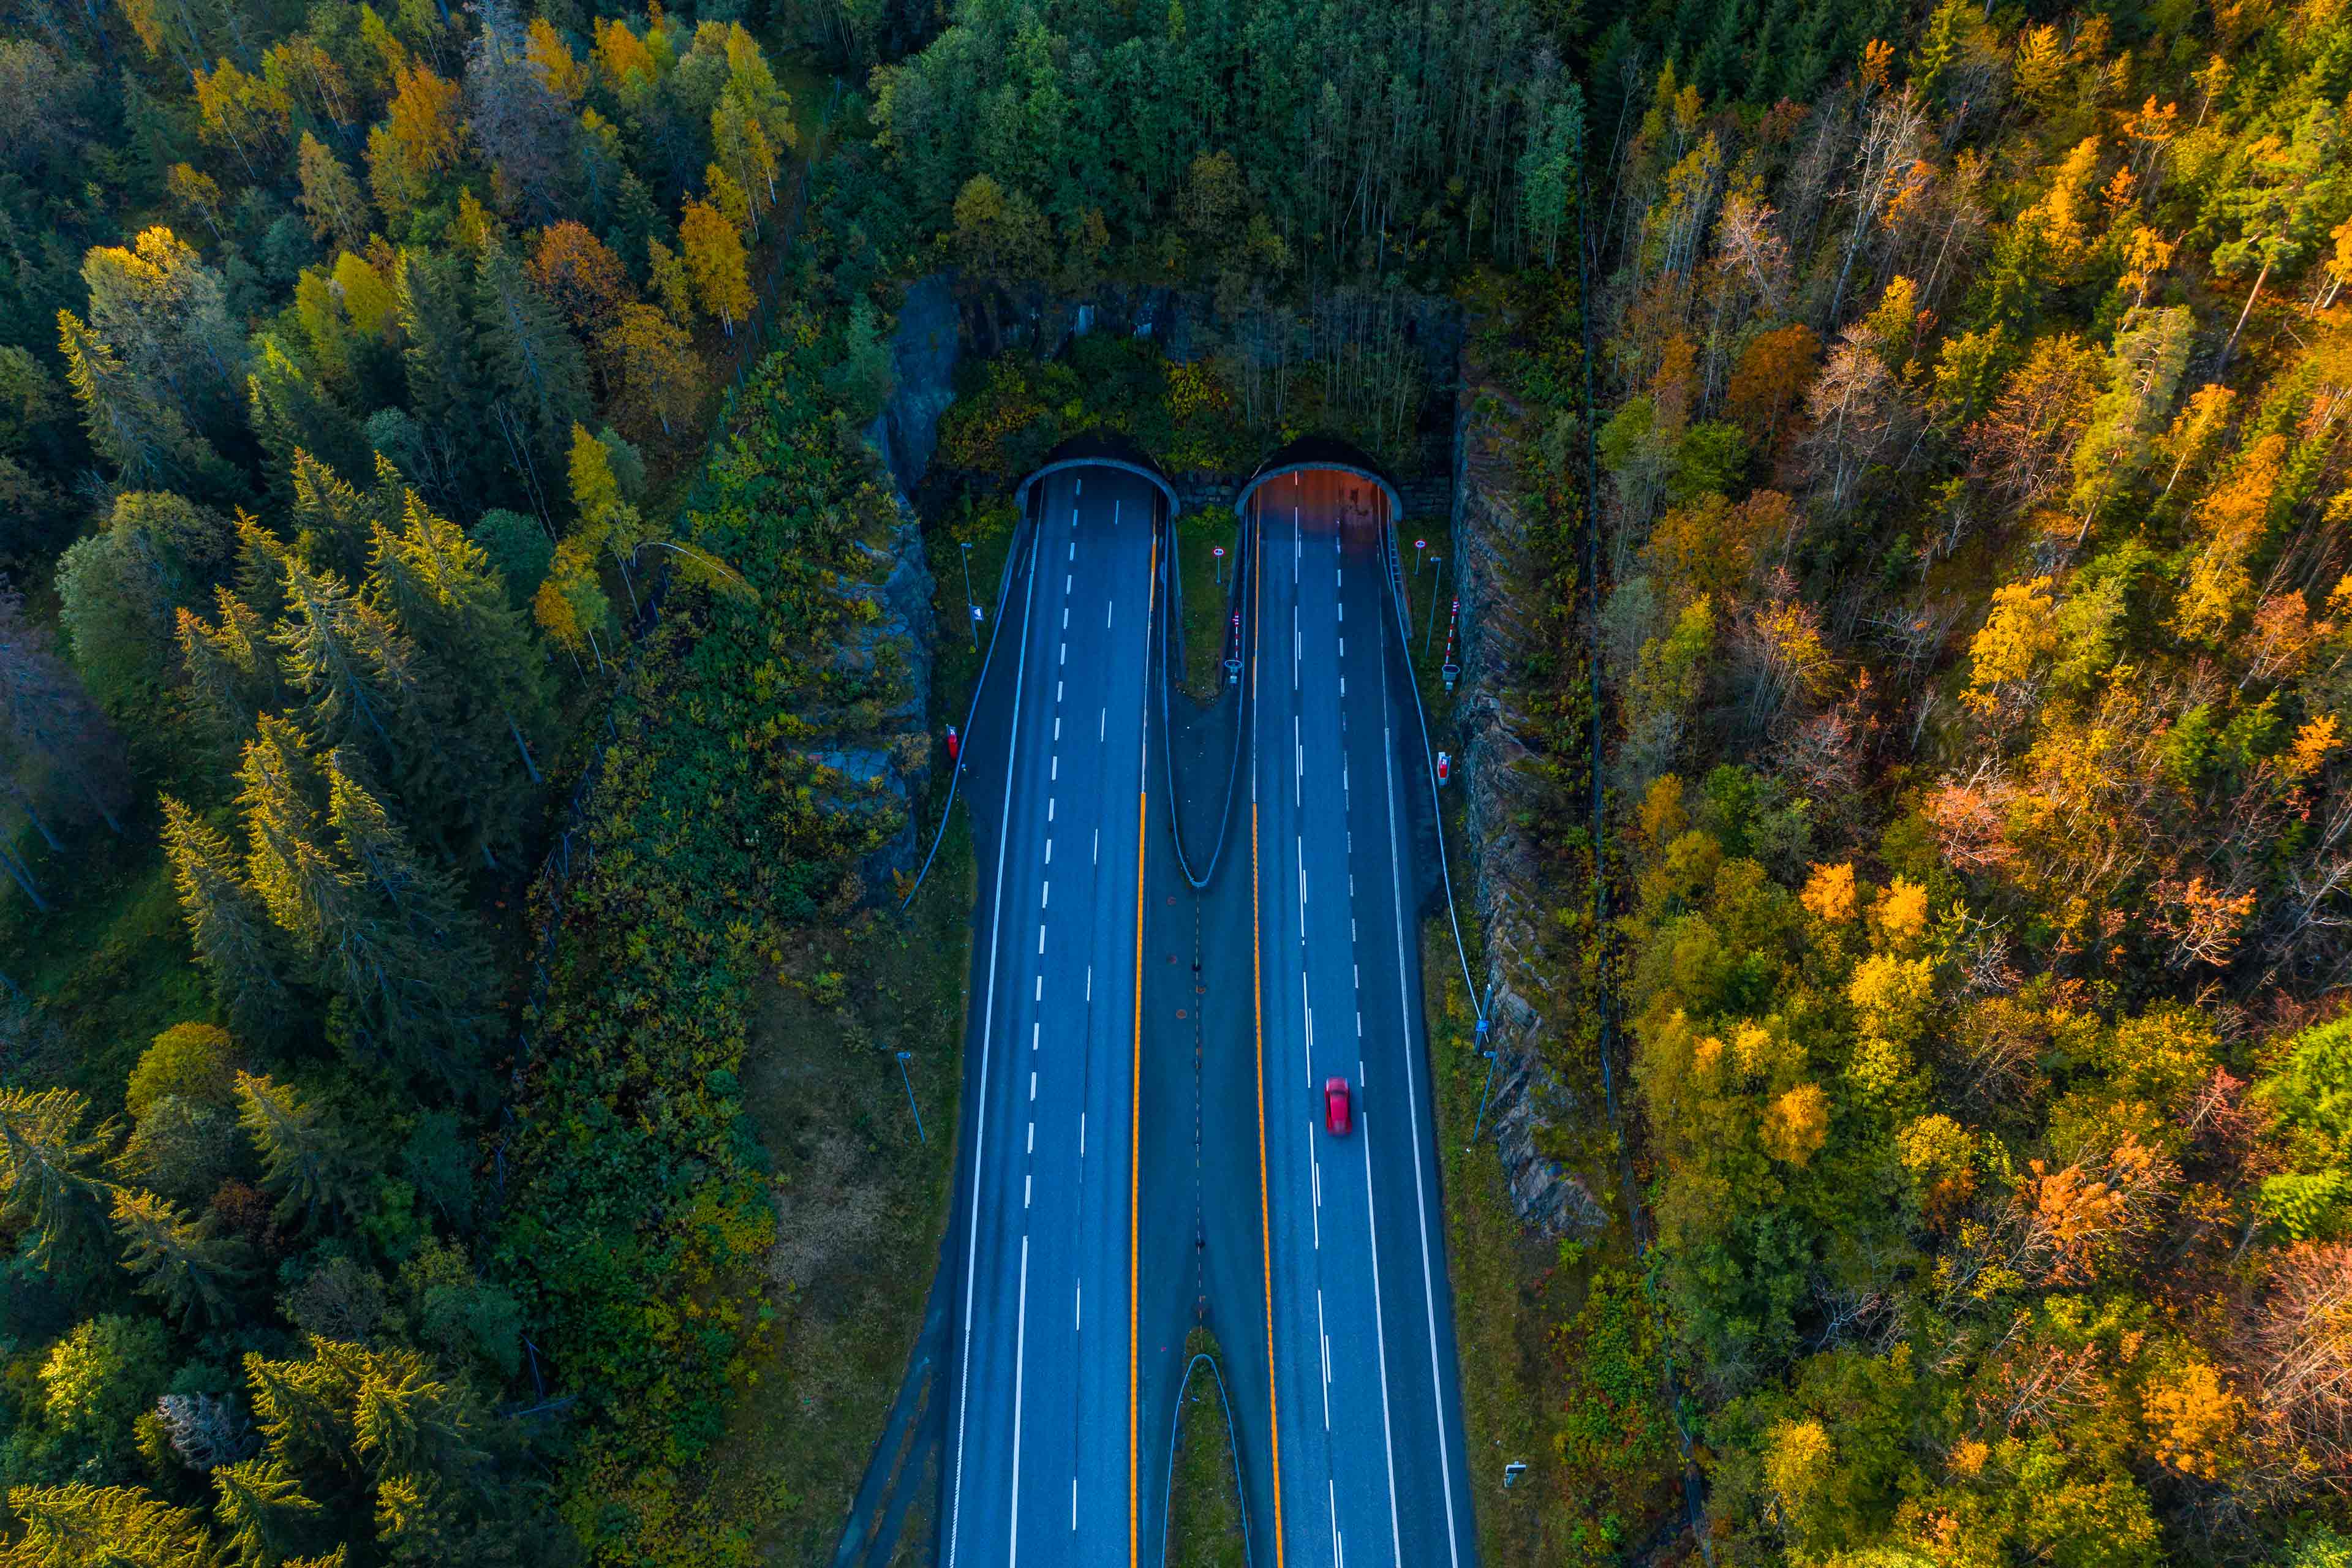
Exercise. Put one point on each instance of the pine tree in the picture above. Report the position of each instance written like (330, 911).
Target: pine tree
(264, 1517)
(175, 1259)
(304, 1159)
(235, 941)
(46, 1169)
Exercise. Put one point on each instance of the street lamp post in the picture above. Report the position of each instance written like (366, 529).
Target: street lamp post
(1436, 588)
(905, 1056)
(970, 605)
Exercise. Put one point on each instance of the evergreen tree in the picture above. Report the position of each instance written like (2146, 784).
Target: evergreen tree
(48, 1169)
(399, 946)
(445, 378)
(232, 675)
(303, 1409)
(361, 679)
(233, 936)
(304, 1159)
(175, 1259)
(334, 519)
(286, 858)
(439, 587)
(81, 1526)
(263, 1516)
(298, 421)
(408, 1423)
(535, 371)
(146, 439)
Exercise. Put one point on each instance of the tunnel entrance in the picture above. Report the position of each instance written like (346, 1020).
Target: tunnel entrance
(1342, 474)
(1099, 450)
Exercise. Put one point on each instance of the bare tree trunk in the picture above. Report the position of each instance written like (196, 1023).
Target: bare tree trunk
(2255, 294)
(23, 880)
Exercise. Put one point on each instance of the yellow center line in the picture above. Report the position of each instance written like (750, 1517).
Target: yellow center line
(1135, 1080)
(1257, 1004)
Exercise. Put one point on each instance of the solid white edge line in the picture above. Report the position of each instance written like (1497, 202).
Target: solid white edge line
(987, 1029)
(1020, 1348)
(1413, 1104)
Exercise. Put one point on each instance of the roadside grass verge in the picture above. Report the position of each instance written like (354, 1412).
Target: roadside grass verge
(860, 1197)
(860, 1202)
(1204, 1509)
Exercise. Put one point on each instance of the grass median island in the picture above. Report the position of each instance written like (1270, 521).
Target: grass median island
(1206, 597)
(1204, 1506)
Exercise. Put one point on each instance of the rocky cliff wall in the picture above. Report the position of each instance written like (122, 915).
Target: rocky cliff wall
(1530, 984)
(879, 748)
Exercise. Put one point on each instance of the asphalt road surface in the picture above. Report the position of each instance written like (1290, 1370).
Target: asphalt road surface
(1365, 1429)
(1042, 1446)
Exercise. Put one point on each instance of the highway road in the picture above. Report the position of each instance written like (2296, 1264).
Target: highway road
(1365, 1429)
(1041, 1442)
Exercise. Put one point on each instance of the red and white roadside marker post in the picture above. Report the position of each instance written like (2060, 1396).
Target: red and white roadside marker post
(955, 747)
(1445, 769)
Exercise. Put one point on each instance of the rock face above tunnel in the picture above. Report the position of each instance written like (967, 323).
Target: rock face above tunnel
(925, 349)
(876, 747)
(1505, 788)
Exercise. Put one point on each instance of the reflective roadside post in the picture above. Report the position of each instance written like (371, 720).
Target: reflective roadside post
(968, 602)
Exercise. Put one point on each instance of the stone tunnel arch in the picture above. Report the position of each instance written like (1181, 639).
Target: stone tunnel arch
(1098, 449)
(1312, 452)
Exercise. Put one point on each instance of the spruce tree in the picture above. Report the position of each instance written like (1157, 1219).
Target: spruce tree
(234, 939)
(439, 587)
(47, 1169)
(304, 1159)
(263, 1516)
(332, 518)
(303, 1409)
(400, 947)
(82, 1526)
(175, 1259)
(233, 676)
(288, 862)
(409, 1423)
(296, 419)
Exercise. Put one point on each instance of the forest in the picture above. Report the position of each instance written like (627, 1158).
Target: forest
(434, 493)
(1976, 517)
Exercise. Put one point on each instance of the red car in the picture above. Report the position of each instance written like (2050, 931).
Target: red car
(1339, 1115)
